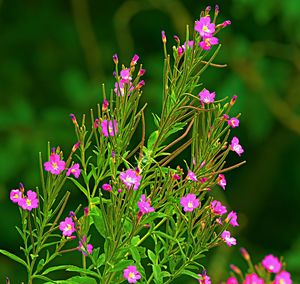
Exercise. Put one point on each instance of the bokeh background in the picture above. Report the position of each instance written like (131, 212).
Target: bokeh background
(54, 56)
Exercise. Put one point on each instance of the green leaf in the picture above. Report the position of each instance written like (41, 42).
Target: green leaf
(13, 257)
(152, 138)
(152, 256)
(135, 240)
(190, 273)
(135, 254)
(82, 270)
(121, 265)
(54, 268)
(97, 216)
(82, 189)
(101, 260)
(157, 274)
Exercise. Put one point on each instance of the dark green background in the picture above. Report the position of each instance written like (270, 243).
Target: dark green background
(54, 55)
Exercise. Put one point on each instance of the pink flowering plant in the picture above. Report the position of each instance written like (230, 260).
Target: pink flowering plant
(135, 194)
(271, 270)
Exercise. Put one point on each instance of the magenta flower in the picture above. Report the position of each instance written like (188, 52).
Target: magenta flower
(233, 122)
(122, 86)
(30, 201)
(190, 44)
(108, 128)
(74, 170)
(189, 202)
(84, 247)
(204, 278)
(230, 241)
(67, 227)
(222, 181)
(15, 195)
(144, 205)
(206, 97)
(204, 27)
(55, 165)
(232, 219)
(236, 147)
(253, 279)
(106, 187)
(125, 75)
(207, 42)
(131, 274)
(232, 280)
(283, 278)
(217, 207)
(131, 179)
(141, 72)
(191, 176)
(271, 263)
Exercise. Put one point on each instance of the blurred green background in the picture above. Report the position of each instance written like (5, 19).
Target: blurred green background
(54, 55)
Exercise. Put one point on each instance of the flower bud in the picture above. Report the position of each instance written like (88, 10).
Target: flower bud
(245, 254)
(163, 37)
(115, 58)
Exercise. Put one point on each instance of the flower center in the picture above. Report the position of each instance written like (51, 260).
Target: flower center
(131, 275)
(54, 166)
(190, 205)
(28, 202)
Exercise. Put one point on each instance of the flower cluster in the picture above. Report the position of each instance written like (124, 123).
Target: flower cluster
(26, 201)
(269, 270)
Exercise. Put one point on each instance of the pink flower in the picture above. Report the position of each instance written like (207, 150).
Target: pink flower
(190, 44)
(230, 241)
(236, 147)
(232, 219)
(131, 274)
(15, 195)
(217, 207)
(84, 247)
(271, 263)
(125, 74)
(204, 278)
(67, 227)
(206, 97)
(189, 202)
(106, 187)
(207, 42)
(176, 176)
(233, 122)
(253, 279)
(232, 280)
(144, 205)
(191, 176)
(122, 86)
(30, 201)
(222, 181)
(283, 278)
(55, 165)
(131, 179)
(204, 27)
(74, 170)
(108, 128)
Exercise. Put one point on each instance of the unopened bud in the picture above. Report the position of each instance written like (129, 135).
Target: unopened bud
(141, 72)
(176, 38)
(233, 100)
(104, 105)
(76, 146)
(235, 269)
(134, 60)
(86, 211)
(163, 37)
(96, 123)
(115, 58)
(140, 84)
(73, 117)
(245, 254)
